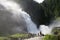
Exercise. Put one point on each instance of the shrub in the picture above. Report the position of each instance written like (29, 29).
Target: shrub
(4, 38)
(58, 37)
(56, 31)
(50, 37)
(19, 36)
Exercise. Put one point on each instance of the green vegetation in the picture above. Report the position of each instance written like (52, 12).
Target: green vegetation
(56, 31)
(58, 37)
(50, 37)
(16, 36)
(4, 38)
(19, 35)
(51, 7)
(55, 34)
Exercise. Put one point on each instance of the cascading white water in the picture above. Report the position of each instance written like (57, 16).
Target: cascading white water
(32, 28)
(45, 29)
(17, 12)
(21, 17)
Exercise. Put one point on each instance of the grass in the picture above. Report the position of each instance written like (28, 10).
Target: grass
(19, 35)
(50, 37)
(4, 38)
(15, 36)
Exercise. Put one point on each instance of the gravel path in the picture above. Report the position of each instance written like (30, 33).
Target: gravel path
(35, 38)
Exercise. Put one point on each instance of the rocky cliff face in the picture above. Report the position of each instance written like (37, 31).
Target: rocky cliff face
(36, 11)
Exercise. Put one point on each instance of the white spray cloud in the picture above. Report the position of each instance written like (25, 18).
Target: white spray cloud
(11, 17)
(19, 19)
(45, 29)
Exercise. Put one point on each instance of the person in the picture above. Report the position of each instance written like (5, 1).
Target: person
(40, 34)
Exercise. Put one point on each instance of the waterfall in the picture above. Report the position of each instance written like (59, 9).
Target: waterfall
(18, 20)
(15, 20)
(31, 27)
